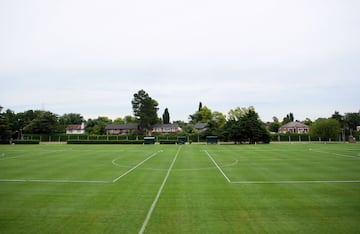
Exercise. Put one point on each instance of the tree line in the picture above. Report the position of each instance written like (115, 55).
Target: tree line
(241, 124)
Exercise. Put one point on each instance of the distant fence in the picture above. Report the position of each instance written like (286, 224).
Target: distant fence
(191, 138)
(85, 137)
(308, 138)
(65, 138)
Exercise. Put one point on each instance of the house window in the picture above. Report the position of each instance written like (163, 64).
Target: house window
(302, 130)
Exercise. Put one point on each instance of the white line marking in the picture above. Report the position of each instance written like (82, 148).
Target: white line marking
(218, 167)
(343, 155)
(340, 155)
(8, 158)
(296, 182)
(148, 216)
(179, 169)
(139, 164)
(5, 158)
(56, 181)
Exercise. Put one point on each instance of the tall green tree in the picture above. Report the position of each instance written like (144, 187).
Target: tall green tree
(145, 110)
(25, 118)
(71, 118)
(247, 128)
(130, 119)
(352, 120)
(45, 122)
(308, 122)
(326, 129)
(275, 125)
(166, 116)
(97, 126)
(204, 115)
(337, 116)
(239, 112)
(288, 118)
(219, 119)
(5, 129)
(216, 125)
(12, 121)
(119, 120)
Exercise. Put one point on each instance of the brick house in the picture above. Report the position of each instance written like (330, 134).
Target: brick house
(134, 128)
(294, 127)
(121, 128)
(166, 128)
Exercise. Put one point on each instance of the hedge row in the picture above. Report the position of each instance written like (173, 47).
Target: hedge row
(137, 142)
(117, 142)
(26, 142)
(64, 138)
(81, 137)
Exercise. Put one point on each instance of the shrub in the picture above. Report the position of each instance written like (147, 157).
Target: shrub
(105, 142)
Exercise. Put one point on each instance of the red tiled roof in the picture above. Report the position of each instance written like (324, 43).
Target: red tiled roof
(74, 127)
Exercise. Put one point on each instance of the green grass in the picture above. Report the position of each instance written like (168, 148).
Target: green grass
(276, 188)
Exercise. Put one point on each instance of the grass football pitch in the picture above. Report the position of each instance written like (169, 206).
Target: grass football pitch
(276, 188)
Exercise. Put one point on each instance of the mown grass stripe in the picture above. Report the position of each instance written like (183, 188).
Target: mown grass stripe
(152, 207)
(218, 167)
(136, 166)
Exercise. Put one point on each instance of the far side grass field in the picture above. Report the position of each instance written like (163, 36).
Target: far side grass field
(276, 188)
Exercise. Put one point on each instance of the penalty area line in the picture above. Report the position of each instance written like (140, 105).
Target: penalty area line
(136, 166)
(218, 167)
(296, 182)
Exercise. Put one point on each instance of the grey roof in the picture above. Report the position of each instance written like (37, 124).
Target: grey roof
(200, 125)
(295, 125)
(121, 126)
(166, 125)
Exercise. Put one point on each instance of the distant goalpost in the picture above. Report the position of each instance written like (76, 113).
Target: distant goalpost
(212, 140)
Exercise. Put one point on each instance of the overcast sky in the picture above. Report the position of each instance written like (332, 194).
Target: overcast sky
(90, 57)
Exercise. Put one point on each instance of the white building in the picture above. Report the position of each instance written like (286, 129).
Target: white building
(75, 129)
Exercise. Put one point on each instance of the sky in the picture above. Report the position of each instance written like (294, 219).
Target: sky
(90, 57)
